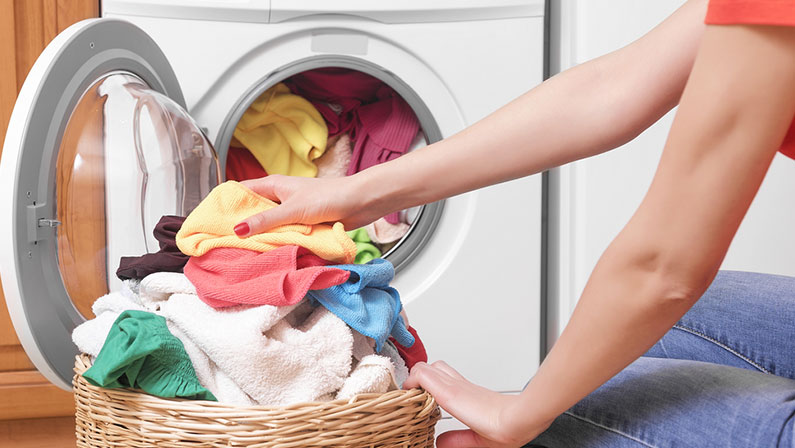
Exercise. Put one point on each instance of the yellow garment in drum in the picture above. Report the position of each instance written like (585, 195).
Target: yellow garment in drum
(284, 132)
(211, 225)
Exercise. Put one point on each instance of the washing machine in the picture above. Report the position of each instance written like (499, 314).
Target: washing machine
(129, 117)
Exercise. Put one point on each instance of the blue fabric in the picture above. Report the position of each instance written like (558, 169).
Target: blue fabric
(724, 376)
(367, 303)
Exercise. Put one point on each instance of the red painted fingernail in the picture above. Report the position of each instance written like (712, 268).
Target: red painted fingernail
(241, 229)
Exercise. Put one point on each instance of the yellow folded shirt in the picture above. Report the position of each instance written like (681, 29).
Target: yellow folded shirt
(284, 132)
(212, 224)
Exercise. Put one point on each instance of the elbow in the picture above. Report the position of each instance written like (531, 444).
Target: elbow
(669, 279)
(678, 285)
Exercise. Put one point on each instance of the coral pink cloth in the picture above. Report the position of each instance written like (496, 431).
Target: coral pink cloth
(242, 165)
(414, 354)
(381, 124)
(227, 277)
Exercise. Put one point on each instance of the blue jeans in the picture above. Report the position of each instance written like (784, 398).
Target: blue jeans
(723, 376)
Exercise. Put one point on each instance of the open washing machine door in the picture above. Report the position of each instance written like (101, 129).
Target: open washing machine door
(98, 148)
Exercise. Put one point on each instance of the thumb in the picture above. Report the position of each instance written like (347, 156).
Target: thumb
(275, 217)
(461, 438)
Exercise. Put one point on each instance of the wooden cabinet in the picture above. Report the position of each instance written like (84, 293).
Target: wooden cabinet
(26, 26)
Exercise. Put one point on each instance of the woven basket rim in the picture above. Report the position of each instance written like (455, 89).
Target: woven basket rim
(126, 418)
(83, 362)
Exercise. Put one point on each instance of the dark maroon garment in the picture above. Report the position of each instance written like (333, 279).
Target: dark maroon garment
(167, 259)
(348, 89)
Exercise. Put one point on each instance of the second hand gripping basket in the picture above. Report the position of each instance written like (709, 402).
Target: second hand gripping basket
(131, 419)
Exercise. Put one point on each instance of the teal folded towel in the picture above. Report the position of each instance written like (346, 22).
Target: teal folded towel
(367, 303)
(141, 353)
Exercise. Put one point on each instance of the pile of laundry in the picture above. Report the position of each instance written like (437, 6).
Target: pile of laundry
(276, 318)
(328, 122)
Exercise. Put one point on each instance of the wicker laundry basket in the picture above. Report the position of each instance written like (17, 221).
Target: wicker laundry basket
(128, 418)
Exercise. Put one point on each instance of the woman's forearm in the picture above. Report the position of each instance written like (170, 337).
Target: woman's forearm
(583, 111)
(622, 312)
(717, 154)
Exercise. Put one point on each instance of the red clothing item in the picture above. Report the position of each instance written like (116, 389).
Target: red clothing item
(242, 165)
(226, 277)
(756, 12)
(414, 354)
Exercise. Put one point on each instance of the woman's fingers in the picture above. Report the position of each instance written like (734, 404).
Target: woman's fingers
(265, 186)
(437, 382)
(281, 189)
(475, 406)
(423, 375)
(444, 367)
(275, 217)
(305, 201)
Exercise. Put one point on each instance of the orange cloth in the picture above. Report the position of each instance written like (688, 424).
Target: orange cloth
(212, 223)
(756, 12)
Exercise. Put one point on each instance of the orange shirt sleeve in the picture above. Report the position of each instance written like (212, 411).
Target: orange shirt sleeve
(751, 12)
(756, 12)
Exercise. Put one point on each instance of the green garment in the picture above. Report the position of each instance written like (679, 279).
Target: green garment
(141, 353)
(365, 251)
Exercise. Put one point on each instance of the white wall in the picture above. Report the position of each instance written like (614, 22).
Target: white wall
(591, 200)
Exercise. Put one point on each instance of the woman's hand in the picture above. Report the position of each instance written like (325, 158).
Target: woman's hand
(494, 419)
(311, 201)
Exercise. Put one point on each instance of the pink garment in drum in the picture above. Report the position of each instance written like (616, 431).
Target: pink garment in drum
(381, 124)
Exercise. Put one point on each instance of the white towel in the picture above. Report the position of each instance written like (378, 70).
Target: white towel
(275, 356)
(89, 337)
(383, 232)
(362, 346)
(159, 286)
(401, 370)
(209, 375)
(373, 374)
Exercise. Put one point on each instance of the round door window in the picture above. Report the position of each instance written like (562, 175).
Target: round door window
(129, 155)
(334, 121)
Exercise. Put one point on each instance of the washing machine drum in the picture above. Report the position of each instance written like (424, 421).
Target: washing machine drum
(99, 147)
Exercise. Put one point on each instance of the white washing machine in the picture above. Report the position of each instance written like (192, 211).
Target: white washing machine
(469, 271)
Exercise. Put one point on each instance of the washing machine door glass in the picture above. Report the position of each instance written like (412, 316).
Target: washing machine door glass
(98, 149)
(128, 156)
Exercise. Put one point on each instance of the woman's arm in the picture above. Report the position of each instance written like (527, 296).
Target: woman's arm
(583, 111)
(734, 114)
